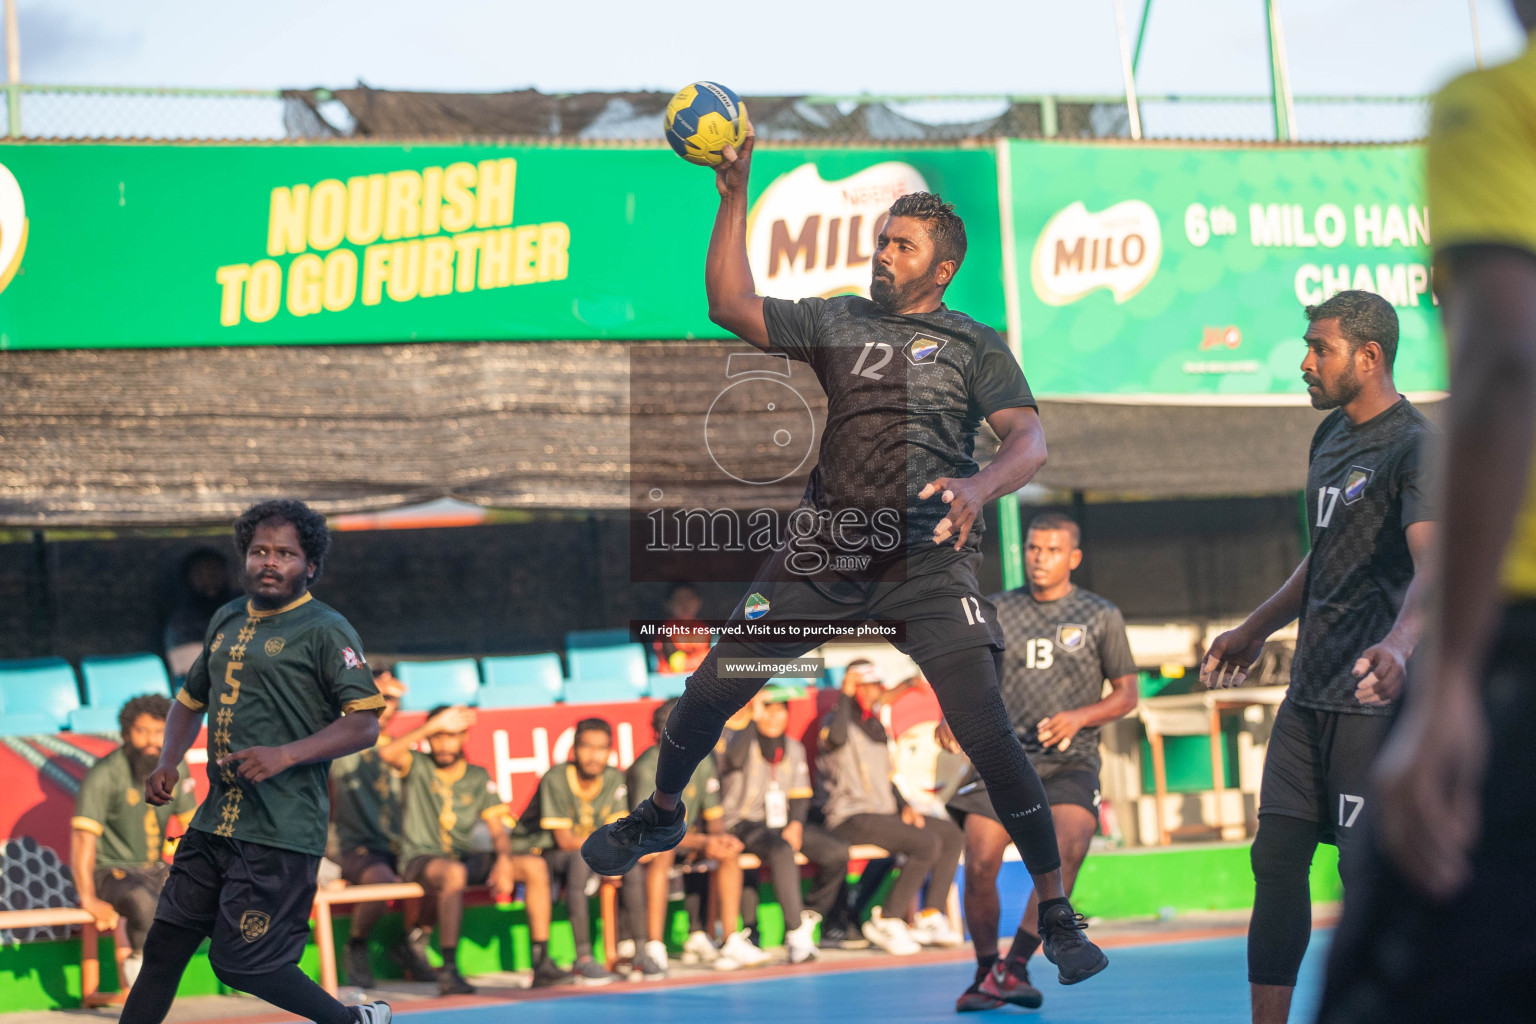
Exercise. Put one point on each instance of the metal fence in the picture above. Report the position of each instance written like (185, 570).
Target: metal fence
(99, 112)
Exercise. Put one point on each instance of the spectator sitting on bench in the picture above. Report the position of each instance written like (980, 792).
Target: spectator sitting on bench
(117, 839)
(365, 822)
(706, 840)
(767, 796)
(445, 797)
(863, 806)
(572, 801)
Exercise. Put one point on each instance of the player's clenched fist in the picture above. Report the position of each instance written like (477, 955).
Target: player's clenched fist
(161, 786)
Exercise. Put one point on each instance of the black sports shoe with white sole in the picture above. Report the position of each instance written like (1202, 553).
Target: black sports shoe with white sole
(1064, 944)
(614, 849)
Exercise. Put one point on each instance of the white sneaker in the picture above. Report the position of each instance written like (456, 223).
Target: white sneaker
(890, 934)
(801, 942)
(932, 929)
(131, 967)
(699, 950)
(651, 964)
(740, 951)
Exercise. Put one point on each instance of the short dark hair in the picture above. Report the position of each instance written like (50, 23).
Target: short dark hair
(944, 225)
(1057, 521)
(674, 589)
(660, 715)
(314, 538)
(154, 705)
(439, 710)
(594, 725)
(1362, 316)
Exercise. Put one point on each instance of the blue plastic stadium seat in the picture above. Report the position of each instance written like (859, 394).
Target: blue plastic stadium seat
(45, 686)
(94, 719)
(833, 677)
(523, 694)
(666, 685)
(525, 671)
(27, 723)
(112, 682)
(430, 683)
(580, 638)
(606, 674)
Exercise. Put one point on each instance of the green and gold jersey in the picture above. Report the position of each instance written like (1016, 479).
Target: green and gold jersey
(267, 678)
(365, 801)
(701, 796)
(442, 806)
(129, 830)
(564, 801)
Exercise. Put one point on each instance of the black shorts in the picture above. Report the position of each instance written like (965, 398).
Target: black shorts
(254, 901)
(356, 861)
(1318, 767)
(933, 592)
(477, 865)
(1076, 786)
(1399, 957)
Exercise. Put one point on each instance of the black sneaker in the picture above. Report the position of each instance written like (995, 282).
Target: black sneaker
(376, 1012)
(451, 983)
(590, 972)
(550, 973)
(359, 972)
(614, 849)
(838, 937)
(1064, 944)
(410, 953)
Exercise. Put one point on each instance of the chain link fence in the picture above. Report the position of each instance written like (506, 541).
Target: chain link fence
(95, 112)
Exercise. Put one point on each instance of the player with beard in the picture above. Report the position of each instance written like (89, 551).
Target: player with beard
(116, 841)
(285, 680)
(908, 383)
(1357, 595)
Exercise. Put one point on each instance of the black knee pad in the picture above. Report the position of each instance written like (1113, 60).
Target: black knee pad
(1283, 849)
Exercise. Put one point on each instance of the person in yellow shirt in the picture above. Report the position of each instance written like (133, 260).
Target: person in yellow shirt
(1439, 929)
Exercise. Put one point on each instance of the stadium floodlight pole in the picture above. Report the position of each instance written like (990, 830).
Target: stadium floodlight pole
(1477, 41)
(1141, 36)
(12, 71)
(1280, 76)
(1127, 71)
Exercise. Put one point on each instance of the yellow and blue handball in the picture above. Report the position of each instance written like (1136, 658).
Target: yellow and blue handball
(702, 119)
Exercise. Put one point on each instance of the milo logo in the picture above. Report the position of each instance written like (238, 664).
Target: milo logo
(1078, 252)
(13, 226)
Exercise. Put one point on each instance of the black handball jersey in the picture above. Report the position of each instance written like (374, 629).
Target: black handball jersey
(905, 397)
(1364, 488)
(1059, 655)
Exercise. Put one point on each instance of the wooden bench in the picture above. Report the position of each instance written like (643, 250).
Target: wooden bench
(327, 898)
(90, 964)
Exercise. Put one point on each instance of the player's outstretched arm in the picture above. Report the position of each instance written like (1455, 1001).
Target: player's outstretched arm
(1233, 653)
(733, 300)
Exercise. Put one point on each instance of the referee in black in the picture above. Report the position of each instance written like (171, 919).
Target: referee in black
(1357, 594)
(908, 383)
(1064, 644)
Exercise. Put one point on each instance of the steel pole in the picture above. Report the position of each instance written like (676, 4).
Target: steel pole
(1126, 70)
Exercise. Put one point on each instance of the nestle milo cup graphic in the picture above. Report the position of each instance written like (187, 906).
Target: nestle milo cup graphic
(13, 226)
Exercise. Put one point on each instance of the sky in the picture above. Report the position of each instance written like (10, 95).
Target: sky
(841, 47)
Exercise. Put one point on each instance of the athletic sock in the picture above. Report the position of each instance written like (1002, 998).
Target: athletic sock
(450, 955)
(1060, 901)
(289, 988)
(983, 965)
(537, 951)
(1024, 946)
(167, 950)
(665, 817)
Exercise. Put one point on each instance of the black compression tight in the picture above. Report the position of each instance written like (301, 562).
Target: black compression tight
(966, 684)
(290, 989)
(1281, 923)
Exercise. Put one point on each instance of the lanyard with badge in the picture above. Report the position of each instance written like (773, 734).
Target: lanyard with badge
(775, 801)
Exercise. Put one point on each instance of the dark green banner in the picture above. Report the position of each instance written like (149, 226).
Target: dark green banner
(128, 245)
